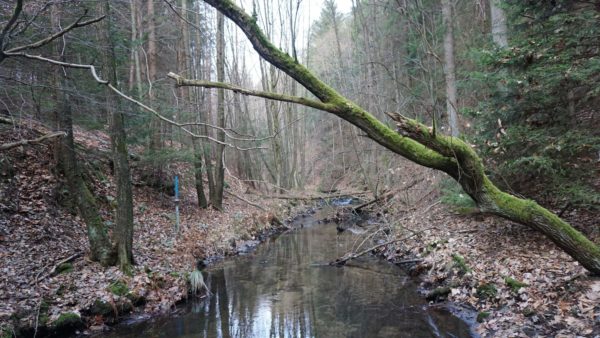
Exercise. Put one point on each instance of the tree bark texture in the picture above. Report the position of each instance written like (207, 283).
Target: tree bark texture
(422, 145)
(217, 194)
(449, 68)
(499, 28)
(101, 249)
(124, 213)
(198, 169)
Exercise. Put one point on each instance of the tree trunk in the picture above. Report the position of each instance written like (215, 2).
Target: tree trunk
(205, 108)
(198, 168)
(101, 249)
(421, 145)
(135, 73)
(499, 28)
(198, 99)
(155, 144)
(217, 194)
(449, 68)
(124, 213)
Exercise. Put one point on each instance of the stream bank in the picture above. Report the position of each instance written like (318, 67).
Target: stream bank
(517, 282)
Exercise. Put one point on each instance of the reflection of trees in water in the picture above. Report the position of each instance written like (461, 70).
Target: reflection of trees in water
(276, 292)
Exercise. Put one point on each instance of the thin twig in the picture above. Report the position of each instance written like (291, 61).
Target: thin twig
(92, 69)
(349, 256)
(181, 15)
(53, 270)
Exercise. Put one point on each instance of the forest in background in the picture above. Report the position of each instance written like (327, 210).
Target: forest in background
(528, 105)
(518, 81)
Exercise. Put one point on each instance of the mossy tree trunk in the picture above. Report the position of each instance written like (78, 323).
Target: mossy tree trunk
(124, 213)
(101, 249)
(417, 143)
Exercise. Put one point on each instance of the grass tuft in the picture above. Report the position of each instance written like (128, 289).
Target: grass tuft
(197, 282)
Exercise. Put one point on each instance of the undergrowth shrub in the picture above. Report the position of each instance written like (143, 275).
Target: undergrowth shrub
(538, 124)
(454, 197)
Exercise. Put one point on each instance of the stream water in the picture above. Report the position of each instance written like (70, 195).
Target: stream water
(282, 289)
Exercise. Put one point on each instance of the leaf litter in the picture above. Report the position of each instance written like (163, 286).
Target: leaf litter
(37, 232)
(519, 282)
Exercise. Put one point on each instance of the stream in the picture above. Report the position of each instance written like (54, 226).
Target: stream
(285, 289)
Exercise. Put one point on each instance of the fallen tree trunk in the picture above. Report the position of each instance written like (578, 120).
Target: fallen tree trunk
(414, 141)
(315, 197)
(245, 200)
(7, 146)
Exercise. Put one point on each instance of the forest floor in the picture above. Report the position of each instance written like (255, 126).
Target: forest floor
(45, 273)
(519, 283)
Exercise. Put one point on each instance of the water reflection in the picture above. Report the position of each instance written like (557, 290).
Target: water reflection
(281, 291)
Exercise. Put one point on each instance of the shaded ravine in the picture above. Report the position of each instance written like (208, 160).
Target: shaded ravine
(283, 290)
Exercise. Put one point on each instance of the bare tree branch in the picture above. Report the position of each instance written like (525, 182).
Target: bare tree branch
(245, 200)
(78, 23)
(7, 146)
(181, 81)
(98, 79)
(172, 7)
(4, 53)
(11, 22)
(245, 137)
(91, 68)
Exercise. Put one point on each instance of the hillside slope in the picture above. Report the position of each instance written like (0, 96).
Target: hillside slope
(45, 272)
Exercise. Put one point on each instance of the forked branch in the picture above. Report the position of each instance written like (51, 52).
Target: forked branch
(4, 35)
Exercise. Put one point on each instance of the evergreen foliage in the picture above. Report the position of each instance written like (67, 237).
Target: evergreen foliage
(538, 128)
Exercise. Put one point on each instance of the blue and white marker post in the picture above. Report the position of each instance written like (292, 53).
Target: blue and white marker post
(176, 205)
